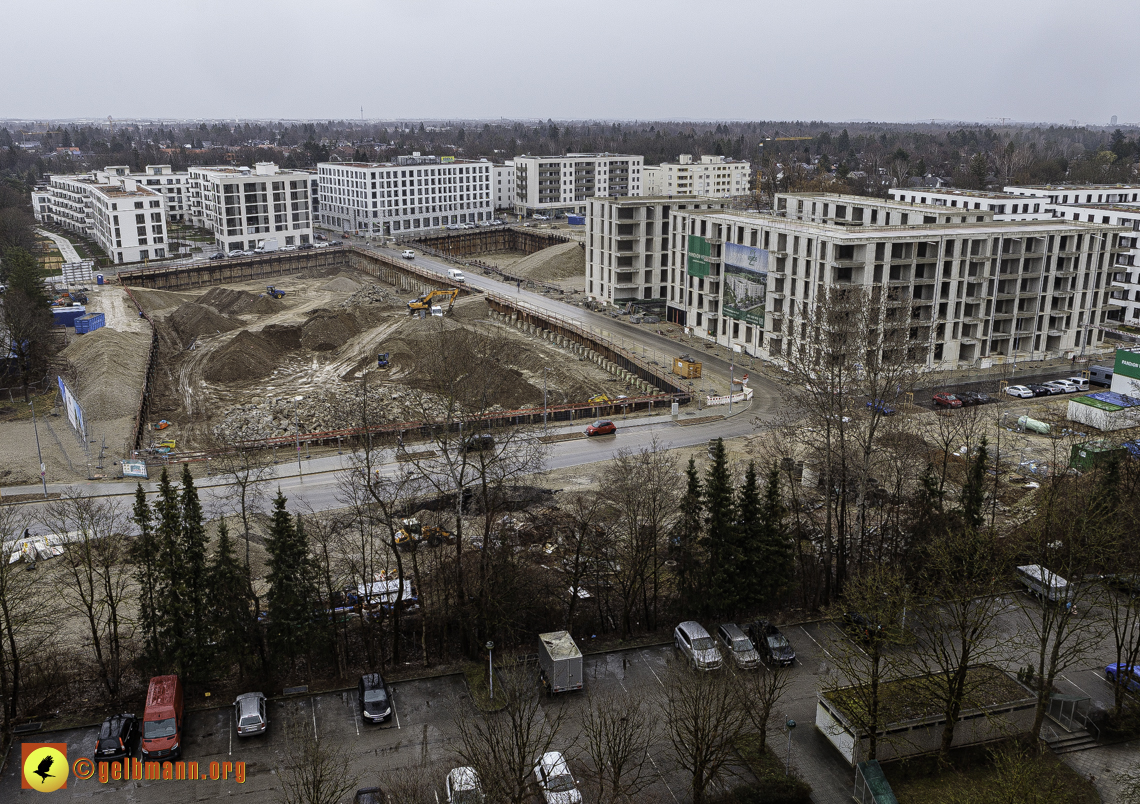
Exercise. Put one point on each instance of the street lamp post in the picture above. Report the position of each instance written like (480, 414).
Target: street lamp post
(39, 454)
(297, 435)
(789, 724)
(544, 370)
(491, 668)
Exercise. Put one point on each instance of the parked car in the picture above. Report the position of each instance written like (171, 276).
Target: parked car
(288, 248)
(555, 780)
(882, 407)
(1133, 678)
(738, 646)
(463, 787)
(1065, 386)
(774, 647)
(119, 738)
(305, 246)
(236, 253)
(370, 795)
(974, 398)
(408, 254)
(601, 427)
(860, 626)
(945, 399)
(538, 217)
(1039, 390)
(698, 647)
(1082, 383)
(479, 442)
(1020, 391)
(320, 245)
(250, 715)
(496, 222)
(218, 255)
(1054, 387)
(162, 719)
(375, 698)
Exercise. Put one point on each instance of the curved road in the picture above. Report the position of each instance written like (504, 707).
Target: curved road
(316, 489)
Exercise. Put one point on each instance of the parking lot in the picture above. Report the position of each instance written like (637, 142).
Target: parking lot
(421, 736)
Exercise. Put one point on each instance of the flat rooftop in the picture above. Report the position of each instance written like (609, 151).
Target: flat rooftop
(960, 193)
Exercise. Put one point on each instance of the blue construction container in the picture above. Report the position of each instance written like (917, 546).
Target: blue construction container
(576, 220)
(89, 323)
(65, 316)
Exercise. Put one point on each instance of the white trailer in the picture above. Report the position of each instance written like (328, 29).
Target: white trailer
(560, 662)
(1045, 584)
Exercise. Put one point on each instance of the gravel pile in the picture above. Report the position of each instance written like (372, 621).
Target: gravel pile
(371, 294)
(192, 321)
(341, 284)
(328, 329)
(227, 300)
(247, 357)
(330, 409)
(109, 365)
(286, 337)
(264, 305)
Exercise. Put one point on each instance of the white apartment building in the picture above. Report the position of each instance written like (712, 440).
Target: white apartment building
(126, 219)
(711, 177)
(627, 248)
(1080, 193)
(565, 184)
(1006, 206)
(975, 292)
(174, 187)
(503, 177)
(393, 199)
(242, 205)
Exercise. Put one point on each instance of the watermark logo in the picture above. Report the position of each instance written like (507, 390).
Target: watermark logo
(44, 766)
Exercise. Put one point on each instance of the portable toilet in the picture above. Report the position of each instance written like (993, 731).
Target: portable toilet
(98, 279)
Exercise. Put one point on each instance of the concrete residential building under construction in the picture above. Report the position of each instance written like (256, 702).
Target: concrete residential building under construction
(977, 291)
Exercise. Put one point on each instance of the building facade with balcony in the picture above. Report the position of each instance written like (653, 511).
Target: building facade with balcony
(242, 205)
(1005, 205)
(111, 207)
(711, 177)
(972, 292)
(627, 248)
(503, 182)
(389, 198)
(565, 184)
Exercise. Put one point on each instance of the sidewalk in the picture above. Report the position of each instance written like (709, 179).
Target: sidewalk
(65, 246)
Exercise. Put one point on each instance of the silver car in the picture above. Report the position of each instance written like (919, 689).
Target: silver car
(698, 647)
(738, 646)
(249, 714)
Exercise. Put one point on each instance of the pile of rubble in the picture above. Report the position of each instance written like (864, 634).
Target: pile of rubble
(372, 294)
(328, 409)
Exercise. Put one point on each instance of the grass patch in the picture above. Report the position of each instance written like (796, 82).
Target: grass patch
(14, 408)
(771, 783)
(475, 674)
(1006, 771)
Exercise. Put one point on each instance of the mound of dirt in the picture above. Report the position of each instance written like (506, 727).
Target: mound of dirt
(564, 261)
(285, 337)
(191, 321)
(342, 284)
(264, 305)
(154, 301)
(327, 329)
(247, 357)
(109, 366)
(227, 300)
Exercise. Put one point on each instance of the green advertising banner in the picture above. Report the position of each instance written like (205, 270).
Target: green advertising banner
(1127, 364)
(699, 252)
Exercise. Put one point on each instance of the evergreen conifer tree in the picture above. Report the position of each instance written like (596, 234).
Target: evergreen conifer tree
(169, 580)
(292, 585)
(192, 547)
(685, 547)
(777, 561)
(145, 554)
(230, 616)
(722, 535)
(751, 562)
(974, 490)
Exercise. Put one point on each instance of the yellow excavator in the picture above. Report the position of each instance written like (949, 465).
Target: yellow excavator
(429, 300)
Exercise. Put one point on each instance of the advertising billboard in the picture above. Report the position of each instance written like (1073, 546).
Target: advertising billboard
(74, 412)
(1127, 364)
(745, 283)
(699, 252)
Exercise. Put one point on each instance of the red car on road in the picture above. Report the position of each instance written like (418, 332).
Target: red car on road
(601, 427)
(944, 399)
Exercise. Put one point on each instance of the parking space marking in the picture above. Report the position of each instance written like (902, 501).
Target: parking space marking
(659, 773)
(1075, 684)
(654, 672)
(355, 719)
(821, 647)
(313, 706)
(231, 730)
(395, 711)
(1100, 675)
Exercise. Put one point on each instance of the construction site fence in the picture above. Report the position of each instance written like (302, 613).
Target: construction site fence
(394, 434)
(143, 411)
(486, 239)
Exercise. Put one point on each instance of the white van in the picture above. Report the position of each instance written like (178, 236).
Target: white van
(1100, 375)
(1045, 584)
(455, 275)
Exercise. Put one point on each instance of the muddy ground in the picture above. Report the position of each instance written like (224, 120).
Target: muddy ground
(233, 359)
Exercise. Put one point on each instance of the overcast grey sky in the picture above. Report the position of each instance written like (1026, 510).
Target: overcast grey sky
(893, 60)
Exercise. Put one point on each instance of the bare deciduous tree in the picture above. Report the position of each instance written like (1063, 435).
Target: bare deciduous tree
(760, 694)
(313, 770)
(617, 731)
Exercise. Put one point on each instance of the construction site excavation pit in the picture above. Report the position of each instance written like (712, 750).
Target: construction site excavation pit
(236, 364)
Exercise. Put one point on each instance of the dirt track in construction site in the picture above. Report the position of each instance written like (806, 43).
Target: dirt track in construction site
(232, 358)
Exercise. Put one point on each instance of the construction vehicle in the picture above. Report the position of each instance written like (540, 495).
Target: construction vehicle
(600, 399)
(412, 532)
(382, 360)
(425, 302)
(169, 444)
(161, 425)
(274, 292)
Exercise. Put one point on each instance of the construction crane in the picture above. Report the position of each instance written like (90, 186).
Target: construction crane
(425, 302)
